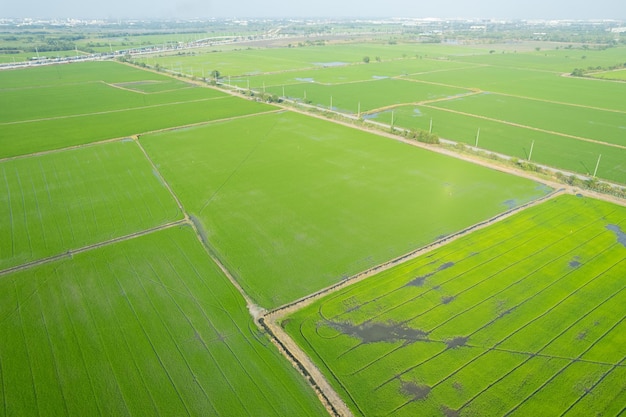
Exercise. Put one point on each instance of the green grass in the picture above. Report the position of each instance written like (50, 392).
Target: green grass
(531, 302)
(53, 203)
(292, 204)
(148, 326)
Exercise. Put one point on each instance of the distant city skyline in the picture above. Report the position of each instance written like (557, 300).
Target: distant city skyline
(161, 9)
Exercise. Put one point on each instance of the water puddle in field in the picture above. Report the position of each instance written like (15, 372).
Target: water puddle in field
(379, 77)
(417, 112)
(306, 80)
(414, 390)
(419, 281)
(575, 263)
(456, 342)
(381, 332)
(330, 64)
(510, 204)
(621, 236)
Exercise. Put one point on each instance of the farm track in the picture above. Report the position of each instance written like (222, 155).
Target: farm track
(100, 142)
(72, 252)
(73, 116)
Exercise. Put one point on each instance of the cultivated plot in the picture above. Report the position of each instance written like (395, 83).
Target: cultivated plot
(292, 204)
(553, 149)
(263, 60)
(521, 318)
(98, 106)
(148, 326)
(54, 203)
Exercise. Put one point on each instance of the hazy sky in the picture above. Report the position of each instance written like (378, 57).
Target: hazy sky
(521, 9)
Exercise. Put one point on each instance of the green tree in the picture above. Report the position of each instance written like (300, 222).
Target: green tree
(366, 59)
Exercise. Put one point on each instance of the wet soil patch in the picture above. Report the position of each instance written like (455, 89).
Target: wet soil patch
(414, 390)
(381, 332)
(447, 299)
(575, 262)
(419, 281)
(456, 342)
(510, 204)
(448, 412)
(621, 236)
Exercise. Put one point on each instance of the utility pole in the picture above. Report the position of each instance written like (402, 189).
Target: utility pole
(392, 114)
(530, 154)
(331, 103)
(597, 165)
(477, 136)
(430, 130)
(358, 113)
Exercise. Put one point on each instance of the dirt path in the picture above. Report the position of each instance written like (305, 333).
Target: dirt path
(71, 252)
(73, 116)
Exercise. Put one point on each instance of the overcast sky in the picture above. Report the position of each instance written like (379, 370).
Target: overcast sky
(515, 9)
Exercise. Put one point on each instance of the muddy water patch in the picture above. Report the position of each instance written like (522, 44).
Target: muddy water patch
(381, 332)
(621, 236)
(414, 390)
(575, 262)
(419, 281)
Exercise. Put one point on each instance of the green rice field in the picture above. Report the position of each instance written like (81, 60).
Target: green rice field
(292, 204)
(62, 108)
(525, 92)
(148, 326)
(148, 220)
(521, 318)
(54, 203)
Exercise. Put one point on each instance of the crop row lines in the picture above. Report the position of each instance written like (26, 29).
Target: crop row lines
(76, 342)
(157, 313)
(536, 129)
(329, 369)
(151, 343)
(74, 116)
(26, 350)
(528, 358)
(124, 337)
(539, 354)
(511, 333)
(444, 254)
(10, 205)
(593, 387)
(542, 315)
(72, 252)
(200, 338)
(499, 243)
(88, 308)
(512, 410)
(476, 267)
(528, 274)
